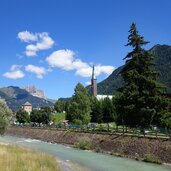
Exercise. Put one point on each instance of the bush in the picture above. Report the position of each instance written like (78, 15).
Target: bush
(83, 143)
(98, 150)
(5, 116)
(152, 159)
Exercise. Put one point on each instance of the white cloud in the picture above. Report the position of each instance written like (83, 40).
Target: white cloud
(66, 60)
(84, 72)
(104, 69)
(39, 71)
(14, 72)
(88, 83)
(26, 36)
(61, 59)
(42, 41)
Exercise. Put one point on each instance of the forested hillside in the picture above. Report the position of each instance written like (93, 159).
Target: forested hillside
(15, 97)
(162, 58)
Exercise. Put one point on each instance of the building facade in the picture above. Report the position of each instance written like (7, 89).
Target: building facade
(27, 107)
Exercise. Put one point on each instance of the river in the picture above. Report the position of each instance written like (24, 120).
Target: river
(78, 160)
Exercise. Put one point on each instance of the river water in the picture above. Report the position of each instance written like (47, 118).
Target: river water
(84, 160)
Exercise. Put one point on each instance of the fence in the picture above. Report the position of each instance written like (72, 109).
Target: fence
(152, 132)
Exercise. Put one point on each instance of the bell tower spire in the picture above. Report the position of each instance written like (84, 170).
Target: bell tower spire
(94, 82)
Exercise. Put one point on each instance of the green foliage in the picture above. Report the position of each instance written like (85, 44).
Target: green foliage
(22, 116)
(41, 116)
(140, 101)
(5, 116)
(103, 111)
(98, 150)
(83, 143)
(109, 112)
(152, 159)
(46, 114)
(60, 106)
(162, 54)
(96, 110)
(79, 107)
(36, 116)
(58, 117)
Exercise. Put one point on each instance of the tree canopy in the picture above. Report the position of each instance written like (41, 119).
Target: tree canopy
(5, 116)
(141, 100)
(60, 106)
(96, 110)
(22, 116)
(79, 107)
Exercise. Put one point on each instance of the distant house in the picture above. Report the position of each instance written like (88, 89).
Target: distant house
(27, 107)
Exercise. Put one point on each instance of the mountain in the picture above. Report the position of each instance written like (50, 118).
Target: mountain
(15, 97)
(162, 58)
(34, 91)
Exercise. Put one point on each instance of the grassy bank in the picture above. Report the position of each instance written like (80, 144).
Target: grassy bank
(14, 158)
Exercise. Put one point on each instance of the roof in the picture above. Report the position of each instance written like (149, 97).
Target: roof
(27, 104)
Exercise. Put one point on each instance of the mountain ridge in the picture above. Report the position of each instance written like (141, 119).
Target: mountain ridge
(162, 59)
(15, 97)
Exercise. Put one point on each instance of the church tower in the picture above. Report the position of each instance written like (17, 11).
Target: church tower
(93, 83)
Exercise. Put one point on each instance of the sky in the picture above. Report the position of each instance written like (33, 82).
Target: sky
(53, 44)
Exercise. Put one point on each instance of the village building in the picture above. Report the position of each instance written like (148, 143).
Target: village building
(94, 91)
(27, 107)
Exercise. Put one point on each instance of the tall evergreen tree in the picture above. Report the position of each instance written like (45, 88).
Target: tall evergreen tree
(79, 107)
(60, 106)
(108, 110)
(96, 110)
(141, 100)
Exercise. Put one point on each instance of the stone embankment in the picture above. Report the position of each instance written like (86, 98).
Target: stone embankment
(128, 146)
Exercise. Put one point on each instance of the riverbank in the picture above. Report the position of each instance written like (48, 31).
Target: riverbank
(128, 146)
(13, 157)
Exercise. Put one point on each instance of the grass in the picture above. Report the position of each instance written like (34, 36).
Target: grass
(58, 117)
(14, 158)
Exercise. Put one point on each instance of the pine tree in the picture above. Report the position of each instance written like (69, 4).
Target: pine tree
(79, 107)
(108, 110)
(141, 101)
(60, 106)
(96, 110)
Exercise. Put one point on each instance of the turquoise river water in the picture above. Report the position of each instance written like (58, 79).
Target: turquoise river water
(83, 160)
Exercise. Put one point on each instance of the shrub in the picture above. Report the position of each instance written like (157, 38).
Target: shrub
(98, 150)
(5, 116)
(83, 143)
(152, 159)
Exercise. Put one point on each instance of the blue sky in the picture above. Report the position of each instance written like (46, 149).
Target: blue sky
(53, 43)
